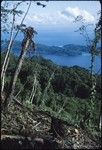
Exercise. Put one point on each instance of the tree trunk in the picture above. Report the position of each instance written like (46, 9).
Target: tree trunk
(14, 79)
(33, 92)
(7, 56)
(4, 73)
(6, 59)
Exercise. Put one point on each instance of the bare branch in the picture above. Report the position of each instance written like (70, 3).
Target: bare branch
(6, 60)
(33, 89)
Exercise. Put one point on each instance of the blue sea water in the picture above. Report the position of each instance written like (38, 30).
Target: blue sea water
(83, 60)
(54, 38)
(59, 39)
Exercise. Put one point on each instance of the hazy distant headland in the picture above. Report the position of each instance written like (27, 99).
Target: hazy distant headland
(66, 55)
(65, 50)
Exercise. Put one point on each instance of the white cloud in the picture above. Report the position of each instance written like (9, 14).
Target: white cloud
(34, 18)
(55, 18)
(65, 17)
(74, 12)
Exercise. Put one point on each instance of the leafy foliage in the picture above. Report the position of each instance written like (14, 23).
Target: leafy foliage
(67, 95)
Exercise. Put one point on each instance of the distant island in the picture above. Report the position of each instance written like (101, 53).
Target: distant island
(66, 50)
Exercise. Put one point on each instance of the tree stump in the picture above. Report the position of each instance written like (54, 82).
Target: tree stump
(57, 127)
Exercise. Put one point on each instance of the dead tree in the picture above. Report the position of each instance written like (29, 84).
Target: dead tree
(27, 44)
(12, 39)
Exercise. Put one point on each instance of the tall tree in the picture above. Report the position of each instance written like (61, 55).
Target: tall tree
(5, 12)
(14, 12)
(27, 44)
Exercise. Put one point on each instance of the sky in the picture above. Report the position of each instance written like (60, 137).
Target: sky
(62, 13)
(55, 22)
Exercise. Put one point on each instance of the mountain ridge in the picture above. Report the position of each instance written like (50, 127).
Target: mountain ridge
(65, 50)
(68, 50)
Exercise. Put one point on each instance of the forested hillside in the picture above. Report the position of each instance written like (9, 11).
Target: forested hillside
(45, 105)
(62, 92)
